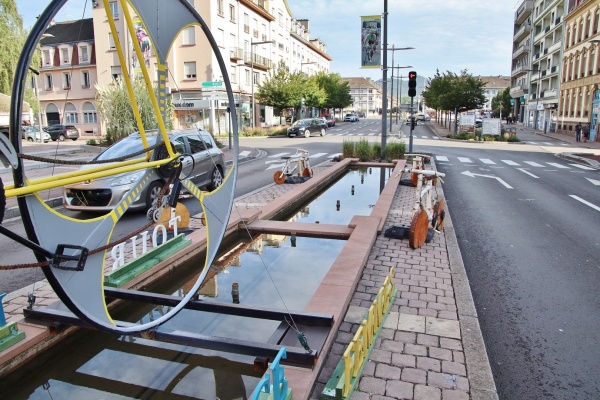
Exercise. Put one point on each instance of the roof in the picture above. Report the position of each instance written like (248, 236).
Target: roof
(498, 81)
(360, 81)
(69, 32)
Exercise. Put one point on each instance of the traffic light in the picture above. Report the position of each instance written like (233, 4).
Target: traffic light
(412, 83)
(413, 122)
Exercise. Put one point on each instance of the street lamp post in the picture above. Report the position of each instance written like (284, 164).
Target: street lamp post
(392, 91)
(252, 44)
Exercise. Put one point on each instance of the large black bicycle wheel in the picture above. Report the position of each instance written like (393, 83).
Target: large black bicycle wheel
(2, 201)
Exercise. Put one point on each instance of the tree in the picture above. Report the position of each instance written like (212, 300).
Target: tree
(286, 90)
(13, 38)
(336, 90)
(452, 92)
(501, 104)
(116, 112)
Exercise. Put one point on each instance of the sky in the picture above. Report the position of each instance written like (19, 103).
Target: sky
(447, 35)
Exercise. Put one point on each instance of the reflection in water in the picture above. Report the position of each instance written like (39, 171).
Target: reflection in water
(270, 271)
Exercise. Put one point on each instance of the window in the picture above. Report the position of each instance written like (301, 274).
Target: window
(247, 77)
(189, 36)
(84, 54)
(114, 9)
(70, 114)
(116, 72)
(47, 59)
(85, 80)
(89, 114)
(64, 56)
(220, 10)
(189, 70)
(246, 23)
(66, 81)
(220, 38)
(232, 13)
(111, 42)
(256, 78)
(196, 144)
(48, 80)
(233, 74)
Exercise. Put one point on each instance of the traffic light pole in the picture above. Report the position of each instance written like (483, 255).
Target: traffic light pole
(412, 121)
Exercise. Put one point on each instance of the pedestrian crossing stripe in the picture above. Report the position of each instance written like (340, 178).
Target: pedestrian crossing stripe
(510, 162)
(558, 165)
(583, 167)
(442, 158)
(487, 161)
(533, 164)
(464, 159)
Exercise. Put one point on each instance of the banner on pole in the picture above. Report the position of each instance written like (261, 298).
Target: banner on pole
(370, 39)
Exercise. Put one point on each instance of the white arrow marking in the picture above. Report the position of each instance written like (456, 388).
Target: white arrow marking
(587, 203)
(528, 173)
(594, 182)
(472, 175)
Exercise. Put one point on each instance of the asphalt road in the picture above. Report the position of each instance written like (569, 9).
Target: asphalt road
(532, 254)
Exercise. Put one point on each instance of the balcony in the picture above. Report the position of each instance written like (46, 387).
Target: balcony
(518, 91)
(236, 53)
(555, 46)
(519, 70)
(549, 93)
(523, 12)
(522, 33)
(520, 51)
(256, 60)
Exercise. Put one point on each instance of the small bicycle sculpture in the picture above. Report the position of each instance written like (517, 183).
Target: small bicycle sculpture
(424, 211)
(302, 165)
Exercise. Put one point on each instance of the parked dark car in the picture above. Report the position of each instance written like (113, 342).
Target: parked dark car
(206, 168)
(62, 132)
(361, 115)
(306, 127)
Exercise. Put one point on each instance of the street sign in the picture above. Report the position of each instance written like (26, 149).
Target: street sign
(213, 83)
(512, 102)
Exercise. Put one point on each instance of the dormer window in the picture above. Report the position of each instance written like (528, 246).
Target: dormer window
(84, 54)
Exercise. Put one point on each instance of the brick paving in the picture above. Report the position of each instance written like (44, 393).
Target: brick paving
(420, 353)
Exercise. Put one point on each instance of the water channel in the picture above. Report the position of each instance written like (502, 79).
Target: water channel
(271, 271)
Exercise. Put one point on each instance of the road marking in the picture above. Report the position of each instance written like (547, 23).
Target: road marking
(273, 161)
(472, 175)
(335, 155)
(441, 158)
(278, 155)
(464, 159)
(425, 137)
(244, 153)
(272, 166)
(533, 163)
(587, 203)
(435, 138)
(583, 167)
(528, 173)
(558, 165)
(317, 155)
(594, 182)
(487, 161)
(510, 162)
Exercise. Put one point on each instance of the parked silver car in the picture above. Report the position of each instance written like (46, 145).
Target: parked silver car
(33, 134)
(207, 169)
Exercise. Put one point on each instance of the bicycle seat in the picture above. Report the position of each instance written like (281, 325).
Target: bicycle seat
(286, 157)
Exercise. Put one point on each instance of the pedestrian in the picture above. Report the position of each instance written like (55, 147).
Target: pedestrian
(578, 132)
(586, 133)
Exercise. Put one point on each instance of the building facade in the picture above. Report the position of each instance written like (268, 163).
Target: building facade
(521, 59)
(253, 36)
(493, 86)
(580, 88)
(367, 96)
(65, 85)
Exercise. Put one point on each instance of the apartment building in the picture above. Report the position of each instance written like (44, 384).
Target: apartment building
(521, 59)
(367, 95)
(580, 87)
(252, 36)
(67, 76)
(493, 86)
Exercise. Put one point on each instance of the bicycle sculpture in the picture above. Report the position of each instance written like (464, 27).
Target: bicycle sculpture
(298, 161)
(424, 211)
(73, 261)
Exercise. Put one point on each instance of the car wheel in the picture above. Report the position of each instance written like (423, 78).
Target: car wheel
(216, 180)
(307, 133)
(30, 139)
(74, 139)
(322, 132)
(61, 138)
(152, 192)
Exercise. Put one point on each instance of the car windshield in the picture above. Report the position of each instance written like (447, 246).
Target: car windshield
(301, 122)
(126, 146)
